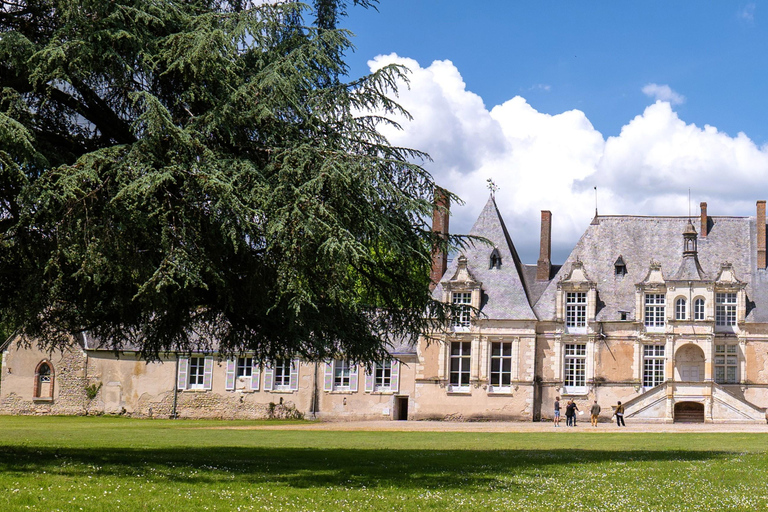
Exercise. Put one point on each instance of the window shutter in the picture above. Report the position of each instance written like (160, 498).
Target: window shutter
(231, 365)
(328, 381)
(208, 373)
(369, 379)
(394, 376)
(183, 373)
(353, 377)
(269, 377)
(294, 382)
(255, 375)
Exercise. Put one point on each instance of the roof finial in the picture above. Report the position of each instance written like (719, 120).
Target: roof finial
(595, 200)
(492, 187)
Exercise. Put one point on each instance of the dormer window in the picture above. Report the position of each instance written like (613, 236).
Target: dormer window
(463, 300)
(495, 259)
(576, 309)
(620, 267)
(725, 309)
(655, 305)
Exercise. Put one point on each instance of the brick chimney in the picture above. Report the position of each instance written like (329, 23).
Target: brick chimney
(704, 221)
(544, 265)
(761, 234)
(440, 218)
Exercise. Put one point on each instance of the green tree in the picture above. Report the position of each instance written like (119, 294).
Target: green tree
(174, 173)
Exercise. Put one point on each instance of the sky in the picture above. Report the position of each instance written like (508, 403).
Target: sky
(643, 100)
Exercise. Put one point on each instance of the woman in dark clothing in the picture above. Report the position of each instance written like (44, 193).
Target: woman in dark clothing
(570, 413)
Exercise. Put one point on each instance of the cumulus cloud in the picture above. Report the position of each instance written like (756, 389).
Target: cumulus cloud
(552, 162)
(748, 12)
(663, 93)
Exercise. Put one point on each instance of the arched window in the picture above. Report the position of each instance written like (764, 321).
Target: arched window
(698, 309)
(44, 380)
(681, 309)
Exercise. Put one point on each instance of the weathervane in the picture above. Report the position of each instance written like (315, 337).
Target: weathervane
(492, 187)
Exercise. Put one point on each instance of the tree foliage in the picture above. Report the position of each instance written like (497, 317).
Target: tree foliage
(186, 174)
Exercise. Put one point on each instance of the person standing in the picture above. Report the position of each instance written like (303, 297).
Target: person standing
(570, 413)
(594, 412)
(620, 415)
(557, 411)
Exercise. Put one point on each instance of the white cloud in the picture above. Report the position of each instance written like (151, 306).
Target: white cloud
(748, 12)
(552, 162)
(663, 93)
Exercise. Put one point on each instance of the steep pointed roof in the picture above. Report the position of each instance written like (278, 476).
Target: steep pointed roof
(504, 295)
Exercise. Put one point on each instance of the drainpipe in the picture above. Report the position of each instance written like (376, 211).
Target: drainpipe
(175, 388)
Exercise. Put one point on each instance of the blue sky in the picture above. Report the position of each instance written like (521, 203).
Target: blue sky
(682, 79)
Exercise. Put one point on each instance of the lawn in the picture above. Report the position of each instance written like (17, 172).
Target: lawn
(52, 463)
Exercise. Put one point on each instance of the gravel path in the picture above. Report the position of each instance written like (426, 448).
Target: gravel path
(447, 426)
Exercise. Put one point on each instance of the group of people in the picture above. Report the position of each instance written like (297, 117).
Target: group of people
(594, 411)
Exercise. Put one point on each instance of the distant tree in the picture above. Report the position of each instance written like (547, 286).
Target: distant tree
(183, 173)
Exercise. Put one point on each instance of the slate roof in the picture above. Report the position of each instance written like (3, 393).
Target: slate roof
(638, 240)
(505, 296)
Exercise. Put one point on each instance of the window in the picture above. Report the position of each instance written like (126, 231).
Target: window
(576, 309)
(244, 366)
(575, 367)
(382, 376)
(196, 372)
(654, 309)
(282, 378)
(698, 309)
(460, 358)
(620, 267)
(495, 259)
(341, 374)
(681, 307)
(463, 300)
(653, 365)
(44, 380)
(726, 364)
(501, 365)
(725, 309)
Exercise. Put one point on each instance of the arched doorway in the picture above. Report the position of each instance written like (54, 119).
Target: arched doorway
(689, 362)
(689, 412)
(44, 380)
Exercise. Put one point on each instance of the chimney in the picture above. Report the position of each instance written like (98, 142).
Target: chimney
(704, 221)
(440, 218)
(761, 234)
(544, 265)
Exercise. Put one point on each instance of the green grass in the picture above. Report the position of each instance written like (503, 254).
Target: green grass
(52, 463)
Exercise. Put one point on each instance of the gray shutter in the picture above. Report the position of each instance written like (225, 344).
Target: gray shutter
(369, 380)
(328, 380)
(269, 377)
(353, 377)
(231, 366)
(208, 373)
(183, 373)
(255, 375)
(294, 382)
(394, 381)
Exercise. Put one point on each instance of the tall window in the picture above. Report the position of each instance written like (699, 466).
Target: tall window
(244, 366)
(382, 376)
(43, 381)
(681, 309)
(460, 357)
(464, 301)
(698, 309)
(501, 364)
(576, 309)
(725, 309)
(283, 375)
(575, 367)
(654, 309)
(653, 365)
(341, 370)
(196, 372)
(726, 364)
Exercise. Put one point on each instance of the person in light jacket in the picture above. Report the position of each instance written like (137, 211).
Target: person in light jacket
(594, 412)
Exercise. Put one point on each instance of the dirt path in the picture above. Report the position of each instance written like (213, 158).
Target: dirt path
(445, 426)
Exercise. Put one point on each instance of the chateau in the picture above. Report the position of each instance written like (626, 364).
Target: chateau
(666, 314)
